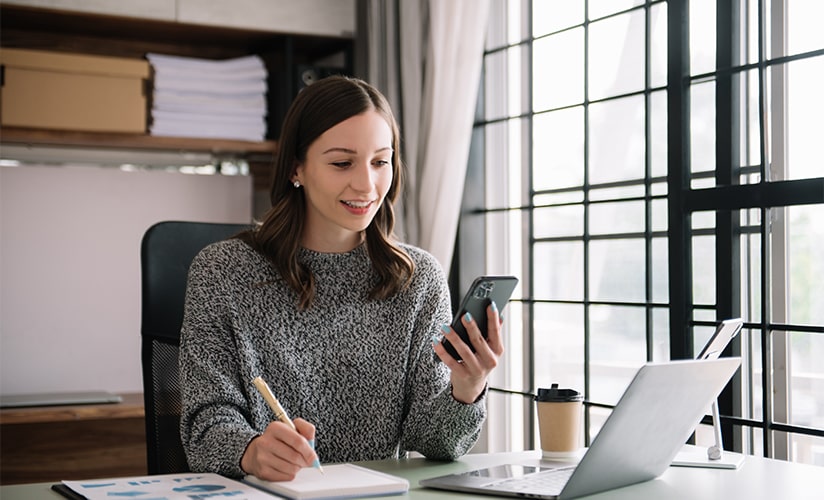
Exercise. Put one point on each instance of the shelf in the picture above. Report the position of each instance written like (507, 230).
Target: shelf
(110, 140)
(130, 407)
(85, 33)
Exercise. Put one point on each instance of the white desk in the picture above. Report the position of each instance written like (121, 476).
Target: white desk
(758, 478)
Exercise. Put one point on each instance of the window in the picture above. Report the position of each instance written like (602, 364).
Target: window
(646, 177)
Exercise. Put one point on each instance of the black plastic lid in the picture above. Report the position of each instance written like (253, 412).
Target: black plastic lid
(555, 395)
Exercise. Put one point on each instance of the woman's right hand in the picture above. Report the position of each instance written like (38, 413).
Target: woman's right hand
(280, 452)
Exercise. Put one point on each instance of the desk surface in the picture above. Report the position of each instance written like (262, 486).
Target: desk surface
(758, 478)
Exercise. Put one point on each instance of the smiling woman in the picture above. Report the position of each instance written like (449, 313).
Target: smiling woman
(322, 302)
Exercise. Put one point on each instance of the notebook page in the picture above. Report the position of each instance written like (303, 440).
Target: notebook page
(336, 481)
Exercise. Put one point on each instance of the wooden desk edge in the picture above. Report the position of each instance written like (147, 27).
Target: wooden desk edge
(130, 407)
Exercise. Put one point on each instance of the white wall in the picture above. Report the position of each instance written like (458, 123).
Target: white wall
(70, 268)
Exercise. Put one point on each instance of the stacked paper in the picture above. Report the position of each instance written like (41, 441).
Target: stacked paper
(206, 98)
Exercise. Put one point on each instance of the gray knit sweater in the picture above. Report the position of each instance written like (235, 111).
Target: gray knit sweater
(362, 371)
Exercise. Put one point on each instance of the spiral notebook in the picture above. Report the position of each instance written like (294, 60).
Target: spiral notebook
(336, 481)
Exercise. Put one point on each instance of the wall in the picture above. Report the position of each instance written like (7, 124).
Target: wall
(70, 268)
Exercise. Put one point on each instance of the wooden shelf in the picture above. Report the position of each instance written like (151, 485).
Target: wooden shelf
(109, 140)
(86, 33)
(52, 443)
(130, 407)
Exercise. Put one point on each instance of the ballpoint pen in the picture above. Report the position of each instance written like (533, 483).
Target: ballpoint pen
(280, 413)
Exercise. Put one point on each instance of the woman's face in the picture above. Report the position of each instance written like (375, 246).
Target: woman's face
(346, 175)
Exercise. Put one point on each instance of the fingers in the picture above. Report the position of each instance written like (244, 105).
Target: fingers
(487, 351)
(494, 327)
(280, 452)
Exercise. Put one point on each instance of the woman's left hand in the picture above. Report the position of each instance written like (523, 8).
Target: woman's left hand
(469, 375)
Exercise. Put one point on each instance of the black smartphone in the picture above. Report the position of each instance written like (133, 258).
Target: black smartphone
(481, 293)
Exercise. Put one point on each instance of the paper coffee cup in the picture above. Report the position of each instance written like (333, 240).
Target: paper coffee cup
(560, 412)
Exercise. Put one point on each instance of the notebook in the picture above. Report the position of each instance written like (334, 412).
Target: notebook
(336, 481)
(647, 428)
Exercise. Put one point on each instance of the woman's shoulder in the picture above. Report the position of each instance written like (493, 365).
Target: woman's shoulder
(226, 255)
(426, 265)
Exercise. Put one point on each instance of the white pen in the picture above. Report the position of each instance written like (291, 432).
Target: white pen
(278, 410)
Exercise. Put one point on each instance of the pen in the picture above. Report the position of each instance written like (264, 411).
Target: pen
(280, 413)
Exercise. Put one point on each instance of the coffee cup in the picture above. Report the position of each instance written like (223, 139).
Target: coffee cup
(560, 412)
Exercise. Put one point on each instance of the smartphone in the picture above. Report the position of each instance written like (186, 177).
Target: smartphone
(724, 333)
(481, 293)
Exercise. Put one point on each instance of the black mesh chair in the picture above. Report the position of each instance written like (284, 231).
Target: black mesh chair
(166, 252)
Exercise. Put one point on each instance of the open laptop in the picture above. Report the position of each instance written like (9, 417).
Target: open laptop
(647, 428)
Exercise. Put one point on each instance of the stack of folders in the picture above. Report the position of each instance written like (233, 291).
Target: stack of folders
(217, 99)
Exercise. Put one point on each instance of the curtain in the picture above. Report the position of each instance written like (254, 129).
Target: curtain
(426, 56)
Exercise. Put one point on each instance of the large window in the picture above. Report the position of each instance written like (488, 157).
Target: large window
(648, 168)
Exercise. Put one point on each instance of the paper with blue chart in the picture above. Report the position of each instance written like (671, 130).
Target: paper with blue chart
(167, 487)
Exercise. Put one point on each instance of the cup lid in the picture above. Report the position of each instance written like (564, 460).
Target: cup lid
(554, 394)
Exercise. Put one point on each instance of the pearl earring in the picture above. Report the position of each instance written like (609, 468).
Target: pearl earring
(296, 184)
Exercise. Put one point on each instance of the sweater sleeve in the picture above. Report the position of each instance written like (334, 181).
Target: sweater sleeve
(214, 427)
(437, 425)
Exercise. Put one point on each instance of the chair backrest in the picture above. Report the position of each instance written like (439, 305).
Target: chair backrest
(166, 253)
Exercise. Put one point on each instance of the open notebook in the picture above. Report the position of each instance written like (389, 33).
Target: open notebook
(336, 481)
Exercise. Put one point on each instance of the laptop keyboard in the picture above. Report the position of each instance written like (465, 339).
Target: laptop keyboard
(548, 482)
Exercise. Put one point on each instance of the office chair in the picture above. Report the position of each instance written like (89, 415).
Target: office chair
(166, 251)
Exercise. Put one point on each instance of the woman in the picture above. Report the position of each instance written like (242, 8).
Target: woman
(337, 317)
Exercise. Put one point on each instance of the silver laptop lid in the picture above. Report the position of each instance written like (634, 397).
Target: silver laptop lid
(653, 419)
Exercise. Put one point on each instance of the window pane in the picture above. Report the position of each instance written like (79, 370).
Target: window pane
(660, 273)
(658, 133)
(503, 146)
(616, 218)
(549, 16)
(702, 129)
(659, 215)
(703, 220)
(660, 334)
(804, 113)
(751, 370)
(616, 146)
(616, 55)
(750, 122)
(804, 31)
(807, 379)
(558, 149)
(703, 270)
(751, 277)
(551, 222)
(617, 270)
(617, 349)
(503, 96)
(702, 36)
(806, 264)
(658, 45)
(616, 193)
(600, 8)
(559, 345)
(558, 70)
(558, 271)
(807, 449)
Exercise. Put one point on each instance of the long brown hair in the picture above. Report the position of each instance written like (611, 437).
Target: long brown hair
(317, 108)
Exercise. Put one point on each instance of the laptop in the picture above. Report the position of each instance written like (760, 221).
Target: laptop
(650, 424)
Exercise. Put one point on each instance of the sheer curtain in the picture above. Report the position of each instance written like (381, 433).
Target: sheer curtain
(425, 56)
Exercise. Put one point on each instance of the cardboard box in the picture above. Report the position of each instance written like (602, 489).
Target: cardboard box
(63, 91)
